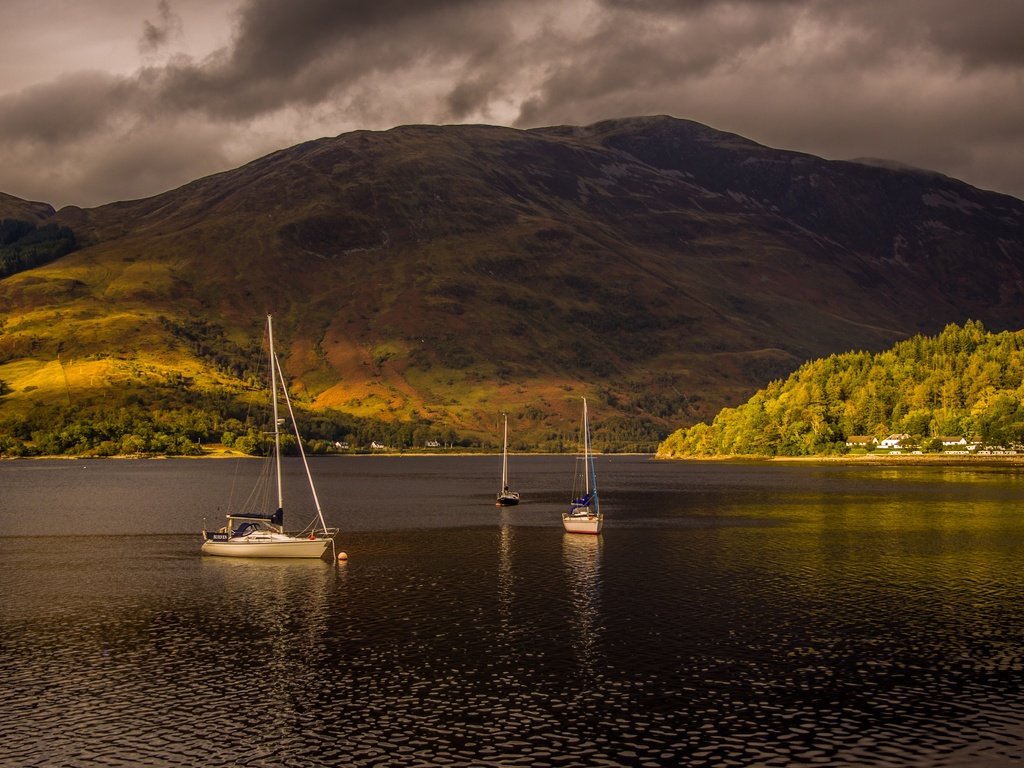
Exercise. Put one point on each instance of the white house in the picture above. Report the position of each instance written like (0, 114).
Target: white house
(894, 441)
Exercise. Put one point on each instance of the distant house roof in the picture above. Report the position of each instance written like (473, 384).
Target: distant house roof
(894, 440)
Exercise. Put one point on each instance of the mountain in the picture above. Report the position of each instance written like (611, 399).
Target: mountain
(451, 273)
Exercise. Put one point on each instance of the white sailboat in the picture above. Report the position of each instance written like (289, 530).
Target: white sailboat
(584, 515)
(506, 496)
(261, 534)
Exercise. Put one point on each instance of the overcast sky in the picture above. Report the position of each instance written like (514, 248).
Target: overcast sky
(117, 99)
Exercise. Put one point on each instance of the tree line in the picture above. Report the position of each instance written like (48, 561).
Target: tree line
(964, 382)
(23, 245)
(183, 430)
(142, 430)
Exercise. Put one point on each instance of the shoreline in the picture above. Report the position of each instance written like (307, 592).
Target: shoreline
(906, 459)
(932, 459)
(910, 459)
(227, 453)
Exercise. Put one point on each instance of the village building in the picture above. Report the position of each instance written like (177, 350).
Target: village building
(895, 441)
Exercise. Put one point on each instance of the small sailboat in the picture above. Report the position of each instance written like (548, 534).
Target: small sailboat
(256, 533)
(584, 515)
(506, 496)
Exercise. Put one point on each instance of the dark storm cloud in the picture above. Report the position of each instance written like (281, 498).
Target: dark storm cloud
(277, 37)
(163, 31)
(980, 33)
(686, 7)
(633, 59)
(70, 107)
(287, 53)
(856, 38)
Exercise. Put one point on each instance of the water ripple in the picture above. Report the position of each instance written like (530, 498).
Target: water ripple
(842, 633)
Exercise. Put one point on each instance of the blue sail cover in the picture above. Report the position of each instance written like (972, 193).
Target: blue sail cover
(244, 529)
(276, 518)
(582, 501)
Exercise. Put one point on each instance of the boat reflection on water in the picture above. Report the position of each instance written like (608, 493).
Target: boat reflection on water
(581, 557)
(506, 575)
(278, 605)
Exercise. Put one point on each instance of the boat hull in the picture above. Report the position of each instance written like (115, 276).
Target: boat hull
(507, 500)
(248, 547)
(582, 523)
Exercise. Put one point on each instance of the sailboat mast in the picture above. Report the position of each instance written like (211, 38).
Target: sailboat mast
(586, 447)
(588, 461)
(591, 473)
(504, 459)
(274, 372)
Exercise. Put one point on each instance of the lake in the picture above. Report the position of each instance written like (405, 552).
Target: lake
(731, 614)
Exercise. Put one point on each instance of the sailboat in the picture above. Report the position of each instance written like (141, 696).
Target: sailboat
(506, 496)
(259, 533)
(584, 515)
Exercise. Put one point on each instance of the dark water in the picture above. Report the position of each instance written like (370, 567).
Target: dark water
(730, 615)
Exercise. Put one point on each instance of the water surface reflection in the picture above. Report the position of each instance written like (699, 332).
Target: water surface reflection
(730, 615)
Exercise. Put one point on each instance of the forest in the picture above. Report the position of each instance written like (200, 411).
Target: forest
(23, 245)
(964, 382)
(138, 430)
